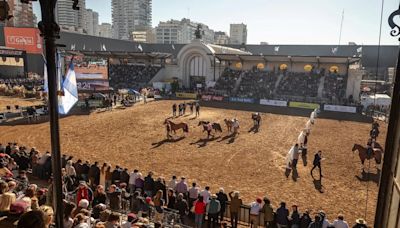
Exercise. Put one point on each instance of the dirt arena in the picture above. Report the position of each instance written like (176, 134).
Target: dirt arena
(252, 163)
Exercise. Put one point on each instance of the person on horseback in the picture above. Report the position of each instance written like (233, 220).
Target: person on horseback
(209, 129)
(370, 149)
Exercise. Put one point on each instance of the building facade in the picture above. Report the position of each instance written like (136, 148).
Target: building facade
(129, 16)
(221, 38)
(92, 22)
(182, 32)
(23, 14)
(70, 19)
(238, 34)
(105, 30)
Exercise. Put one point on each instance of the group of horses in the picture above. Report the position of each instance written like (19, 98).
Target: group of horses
(373, 150)
(232, 126)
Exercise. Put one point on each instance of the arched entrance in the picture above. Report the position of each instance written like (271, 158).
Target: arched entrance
(197, 72)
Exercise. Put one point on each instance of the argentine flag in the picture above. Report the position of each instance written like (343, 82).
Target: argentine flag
(70, 91)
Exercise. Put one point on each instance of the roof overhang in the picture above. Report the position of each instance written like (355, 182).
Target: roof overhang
(122, 55)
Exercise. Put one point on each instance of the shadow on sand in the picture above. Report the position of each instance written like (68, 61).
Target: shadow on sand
(231, 138)
(365, 177)
(162, 142)
(203, 142)
(318, 185)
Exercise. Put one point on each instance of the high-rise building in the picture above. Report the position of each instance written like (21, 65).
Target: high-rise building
(129, 16)
(221, 38)
(68, 18)
(92, 22)
(181, 32)
(22, 14)
(238, 34)
(105, 30)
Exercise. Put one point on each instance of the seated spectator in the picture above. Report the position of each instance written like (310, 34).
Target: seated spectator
(68, 208)
(6, 198)
(114, 196)
(112, 221)
(360, 223)
(48, 215)
(32, 219)
(99, 196)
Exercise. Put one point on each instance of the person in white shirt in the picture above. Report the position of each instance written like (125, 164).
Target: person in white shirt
(193, 194)
(325, 221)
(340, 223)
(172, 183)
(255, 208)
(206, 194)
(132, 179)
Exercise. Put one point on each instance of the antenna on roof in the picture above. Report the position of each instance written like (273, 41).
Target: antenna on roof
(341, 28)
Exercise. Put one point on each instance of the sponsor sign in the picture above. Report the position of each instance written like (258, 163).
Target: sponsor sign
(340, 108)
(241, 100)
(273, 103)
(27, 39)
(304, 105)
(212, 98)
(187, 95)
(97, 85)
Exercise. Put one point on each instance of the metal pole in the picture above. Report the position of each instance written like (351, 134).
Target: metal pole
(50, 31)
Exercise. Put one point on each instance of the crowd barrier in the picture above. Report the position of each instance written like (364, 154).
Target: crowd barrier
(340, 108)
(212, 98)
(186, 95)
(304, 105)
(273, 103)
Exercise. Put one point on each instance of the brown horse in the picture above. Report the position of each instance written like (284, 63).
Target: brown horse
(230, 124)
(362, 152)
(174, 126)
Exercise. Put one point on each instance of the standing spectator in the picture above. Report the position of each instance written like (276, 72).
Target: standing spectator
(99, 196)
(108, 176)
(149, 184)
(206, 194)
(139, 183)
(324, 220)
(305, 219)
(102, 180)
(213, 209)
(159, 204)
(193, 194)
(174, 110)
(182, 186)
(68, 208)
(78, 169)
(159, 184)
(282, 216)
(182, 206)
(222, 197)
(268, 213)
(317, 222)
(132, 180)
(83, 192)
(317, 163)
(295, 217)
(171, 200)
(340, 223)
(172, 183)
(124, 197)
(197, 109)
(236, 202)
(114, 196)
(94, 175)
(199, 210)
(125, 176)
(85, 171)
(116, 175)
(360, 223)
(255, 209)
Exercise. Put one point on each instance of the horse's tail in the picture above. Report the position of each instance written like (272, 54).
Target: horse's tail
(186, 128)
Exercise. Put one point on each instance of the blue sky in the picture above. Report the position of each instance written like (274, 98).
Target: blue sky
(278, 21)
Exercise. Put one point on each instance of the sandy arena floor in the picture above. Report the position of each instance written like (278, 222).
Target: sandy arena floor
(251, 163)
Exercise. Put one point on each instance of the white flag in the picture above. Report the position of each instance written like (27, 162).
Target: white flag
(72, 47)
(140, 47)
(173, 47)
(276, 49)
(45, 76)
(334, 50)
(70, 89)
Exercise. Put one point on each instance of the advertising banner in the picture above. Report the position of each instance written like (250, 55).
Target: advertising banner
(212, 98)
(241, 100)
(303, 105)
(97, 85)
(27, 39)
(340, 108)
(186, 95)
(273, 103)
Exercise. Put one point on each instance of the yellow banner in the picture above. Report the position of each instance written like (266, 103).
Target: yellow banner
(186, 95)
(303, 105)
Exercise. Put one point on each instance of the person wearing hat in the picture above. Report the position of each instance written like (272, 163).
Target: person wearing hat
(236, 202)
(213, 208)
(324, 220)
(83, 192)
(255, 209)
(132, 219)
(268, 211)
(360, 223)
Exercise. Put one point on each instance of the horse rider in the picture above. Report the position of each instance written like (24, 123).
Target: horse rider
(375, 125)
(370, 148)
(209, 129)
(257, 119)
(168, 128)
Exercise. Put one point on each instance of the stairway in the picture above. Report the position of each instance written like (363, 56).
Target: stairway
(280, 77)
(238, 82)
(321, 87)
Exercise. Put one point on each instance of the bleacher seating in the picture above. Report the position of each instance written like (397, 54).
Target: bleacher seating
(131, 76)
(299, 84)
(335, 87)
(227, 80)
(257, 84)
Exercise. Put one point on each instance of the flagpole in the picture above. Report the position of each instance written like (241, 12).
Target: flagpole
(50, 31)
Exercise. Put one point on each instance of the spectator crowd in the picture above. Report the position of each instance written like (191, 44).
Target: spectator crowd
(99, 196)
(123, 76)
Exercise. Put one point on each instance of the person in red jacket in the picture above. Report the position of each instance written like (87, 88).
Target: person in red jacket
(199, 211)
(83, 192)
